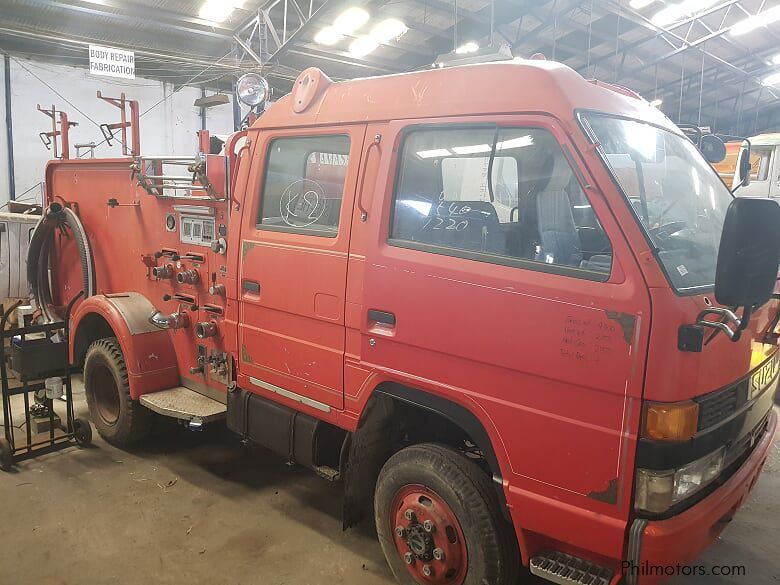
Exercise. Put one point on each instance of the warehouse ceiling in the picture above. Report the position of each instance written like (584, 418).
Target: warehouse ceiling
(703, 58)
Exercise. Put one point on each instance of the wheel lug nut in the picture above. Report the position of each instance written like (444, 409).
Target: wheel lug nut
(400, 531)
(438, 554)
(429, 526)
(409, 515)
(409, 558)
(427, 570)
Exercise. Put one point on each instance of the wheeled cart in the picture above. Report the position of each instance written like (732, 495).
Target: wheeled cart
(39, 357)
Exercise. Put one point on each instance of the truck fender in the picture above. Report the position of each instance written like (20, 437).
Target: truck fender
(371, 444)
(148, 351)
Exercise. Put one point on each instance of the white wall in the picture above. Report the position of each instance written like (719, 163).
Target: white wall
(169, 128)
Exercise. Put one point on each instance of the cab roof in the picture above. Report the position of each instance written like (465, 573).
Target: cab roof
(771, 139)
(527, 86)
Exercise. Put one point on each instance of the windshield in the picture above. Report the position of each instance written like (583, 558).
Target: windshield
(677, 197)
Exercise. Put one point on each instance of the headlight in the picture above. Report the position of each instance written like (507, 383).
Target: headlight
(252, 89)
(657, 491)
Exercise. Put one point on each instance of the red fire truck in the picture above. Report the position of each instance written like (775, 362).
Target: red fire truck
(513, 310)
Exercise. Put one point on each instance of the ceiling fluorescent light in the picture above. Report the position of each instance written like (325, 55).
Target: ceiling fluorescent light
(470, 47)
(756, 21)
(328, 36)
(639, 4)
(471, 149)
(773, 79)
(388, 29)
(657, 103)
(675, 12)
(518, 142)
(350, 20)
(218, 10)
(435, 153)
(362, 46)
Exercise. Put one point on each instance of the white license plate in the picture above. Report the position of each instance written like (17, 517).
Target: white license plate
(764, 376)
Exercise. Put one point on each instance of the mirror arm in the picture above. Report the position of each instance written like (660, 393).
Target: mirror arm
(728, 316)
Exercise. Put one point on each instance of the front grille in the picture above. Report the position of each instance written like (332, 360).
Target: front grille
(718, 406)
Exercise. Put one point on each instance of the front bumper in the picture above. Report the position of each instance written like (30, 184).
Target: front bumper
(656, 545)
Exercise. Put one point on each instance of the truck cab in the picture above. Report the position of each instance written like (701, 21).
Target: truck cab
(514, 311)
(764, 166)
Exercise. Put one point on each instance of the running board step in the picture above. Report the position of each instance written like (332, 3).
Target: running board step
(564, 569)
(185, 404)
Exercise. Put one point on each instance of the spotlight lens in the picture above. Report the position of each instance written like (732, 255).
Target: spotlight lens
(252, 89)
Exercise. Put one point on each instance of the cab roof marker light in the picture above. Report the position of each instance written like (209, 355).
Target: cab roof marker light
(657, 103)
(751, 23)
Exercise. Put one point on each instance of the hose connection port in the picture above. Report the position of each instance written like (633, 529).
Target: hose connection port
(164, 272)
(205, 329)
(190, 276)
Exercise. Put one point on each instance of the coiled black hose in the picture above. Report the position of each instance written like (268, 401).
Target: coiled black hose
(56, 217)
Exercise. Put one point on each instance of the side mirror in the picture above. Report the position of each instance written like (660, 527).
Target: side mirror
(742, 171)
(713, 148)
(749, 253)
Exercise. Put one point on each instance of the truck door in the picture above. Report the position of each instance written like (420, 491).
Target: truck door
(497, 278)
(293, 264)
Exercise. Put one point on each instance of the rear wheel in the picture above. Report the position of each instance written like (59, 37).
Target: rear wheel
(82, 432)
(118, 418)
(439, 522)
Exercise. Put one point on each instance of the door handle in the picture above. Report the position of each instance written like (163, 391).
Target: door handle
(250, 286)
(383, 317)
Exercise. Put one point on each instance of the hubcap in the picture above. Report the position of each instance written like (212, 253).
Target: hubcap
(106, 394)
(428, 537)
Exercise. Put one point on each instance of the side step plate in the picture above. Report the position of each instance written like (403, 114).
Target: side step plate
(564, 569)
(185, 404)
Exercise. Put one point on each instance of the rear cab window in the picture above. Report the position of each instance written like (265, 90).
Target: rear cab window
(500, 195)
(304, 185)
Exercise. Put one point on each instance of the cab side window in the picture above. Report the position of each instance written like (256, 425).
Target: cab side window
(304, 185)
(505, 195)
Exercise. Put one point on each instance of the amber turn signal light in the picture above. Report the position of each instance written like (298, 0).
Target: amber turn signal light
(670, 421)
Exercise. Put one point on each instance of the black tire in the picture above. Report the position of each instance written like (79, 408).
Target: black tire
(118, 418)
(490, 545)
(82, 432)
(6, 455)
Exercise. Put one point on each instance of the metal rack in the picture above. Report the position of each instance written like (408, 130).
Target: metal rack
(34, 358)
(196, 185)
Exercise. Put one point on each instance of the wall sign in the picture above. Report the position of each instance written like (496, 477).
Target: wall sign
(110, 62)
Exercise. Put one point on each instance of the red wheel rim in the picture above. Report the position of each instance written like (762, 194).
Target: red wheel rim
(428, 537)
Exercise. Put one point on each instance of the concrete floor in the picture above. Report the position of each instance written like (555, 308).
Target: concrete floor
(195, 509)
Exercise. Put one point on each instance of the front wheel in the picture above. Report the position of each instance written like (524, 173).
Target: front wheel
(439, 522)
